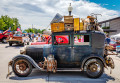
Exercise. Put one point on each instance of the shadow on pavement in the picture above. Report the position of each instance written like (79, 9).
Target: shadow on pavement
(64, 77)
(15, 46)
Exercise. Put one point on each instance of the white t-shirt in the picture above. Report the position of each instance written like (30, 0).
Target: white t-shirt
(39, 39)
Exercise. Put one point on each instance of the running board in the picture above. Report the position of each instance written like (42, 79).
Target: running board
(66, 69)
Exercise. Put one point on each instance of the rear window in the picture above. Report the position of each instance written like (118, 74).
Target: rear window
(61, 40)
(81, 40)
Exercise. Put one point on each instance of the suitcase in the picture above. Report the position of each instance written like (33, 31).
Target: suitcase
(76, 24)
(57, 27)
(68, 19)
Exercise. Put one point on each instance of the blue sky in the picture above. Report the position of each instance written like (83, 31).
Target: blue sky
(109, 4)
(41, 12)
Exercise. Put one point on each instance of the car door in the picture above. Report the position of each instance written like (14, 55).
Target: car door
(82, 46)
(62, 50)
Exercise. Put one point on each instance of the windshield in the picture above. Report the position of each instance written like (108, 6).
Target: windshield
(18, 35)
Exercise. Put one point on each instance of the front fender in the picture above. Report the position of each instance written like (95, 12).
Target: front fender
(93, 56)
(27, 58)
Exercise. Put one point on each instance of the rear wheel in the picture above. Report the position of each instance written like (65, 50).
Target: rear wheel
(27, 43)
(94, 68)
(10, 44)
(22, 67)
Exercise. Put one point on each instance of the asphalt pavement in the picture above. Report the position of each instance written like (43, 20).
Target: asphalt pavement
(8, 52)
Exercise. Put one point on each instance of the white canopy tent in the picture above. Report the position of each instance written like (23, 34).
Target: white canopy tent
(116, 37)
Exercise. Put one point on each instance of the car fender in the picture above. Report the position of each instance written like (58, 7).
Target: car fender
(93, 56)
(27, 58)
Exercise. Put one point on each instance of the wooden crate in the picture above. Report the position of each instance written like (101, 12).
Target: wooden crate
(76, 24)
(57, 27)
(68, 19)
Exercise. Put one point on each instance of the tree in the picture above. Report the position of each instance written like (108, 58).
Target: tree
(2, 24)
(34, 30)
(6, 22)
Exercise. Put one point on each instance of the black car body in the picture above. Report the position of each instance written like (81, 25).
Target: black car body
(84, 54)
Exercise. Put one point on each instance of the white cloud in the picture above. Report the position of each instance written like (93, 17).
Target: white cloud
(40, 12)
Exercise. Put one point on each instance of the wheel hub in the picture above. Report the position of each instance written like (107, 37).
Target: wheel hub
(22, 67)
(93, 68)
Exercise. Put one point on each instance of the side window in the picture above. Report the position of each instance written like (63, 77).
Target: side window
(61, 40)
(81, 40)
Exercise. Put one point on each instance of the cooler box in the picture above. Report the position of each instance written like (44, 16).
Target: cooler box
(57, 27)
(76, 24)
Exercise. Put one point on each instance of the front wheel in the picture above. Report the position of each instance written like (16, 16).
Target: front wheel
(22, 67)
(94, 68)
(4, 40)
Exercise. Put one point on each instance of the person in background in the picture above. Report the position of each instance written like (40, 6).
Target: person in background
(16, 33)
(29, 36)
(107, 40)
(10, 35)
(32, 37)
(39, 38)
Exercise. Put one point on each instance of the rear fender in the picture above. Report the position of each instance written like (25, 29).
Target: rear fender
(91, 57)
(27, 58)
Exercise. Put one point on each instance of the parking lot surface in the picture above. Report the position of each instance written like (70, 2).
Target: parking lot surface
(8, 52)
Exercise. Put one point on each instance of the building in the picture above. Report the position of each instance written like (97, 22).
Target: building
(112, 26)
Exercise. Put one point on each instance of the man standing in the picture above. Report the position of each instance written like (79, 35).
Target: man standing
(107, 40)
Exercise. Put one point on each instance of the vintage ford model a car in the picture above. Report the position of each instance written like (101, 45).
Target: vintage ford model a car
(84, 52)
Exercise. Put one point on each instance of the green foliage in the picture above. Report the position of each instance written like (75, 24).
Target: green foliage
(6, 22)
(34, 30)
(105, 27)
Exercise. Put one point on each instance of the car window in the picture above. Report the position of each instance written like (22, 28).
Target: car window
(61, 40)
(81, 40)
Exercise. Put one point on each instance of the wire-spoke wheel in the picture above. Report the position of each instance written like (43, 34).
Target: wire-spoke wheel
(21, 67)
(94, 68)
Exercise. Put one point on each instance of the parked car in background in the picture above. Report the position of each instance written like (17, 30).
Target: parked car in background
(114, 44)
(118, 49)
(3, 36)
(18, 39)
